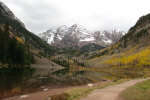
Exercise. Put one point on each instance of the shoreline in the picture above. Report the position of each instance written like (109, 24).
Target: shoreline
(42, 94)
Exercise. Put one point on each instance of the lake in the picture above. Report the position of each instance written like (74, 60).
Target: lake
(23, 80)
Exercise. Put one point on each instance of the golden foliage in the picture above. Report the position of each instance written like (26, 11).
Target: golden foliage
(19, 40)
(139, 59)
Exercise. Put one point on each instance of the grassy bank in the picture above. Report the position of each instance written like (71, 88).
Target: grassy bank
(140, 91)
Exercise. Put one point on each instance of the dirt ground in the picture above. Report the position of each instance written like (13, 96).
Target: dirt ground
(111, 92)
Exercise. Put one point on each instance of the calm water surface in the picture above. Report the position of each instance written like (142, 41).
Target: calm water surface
(16, 80)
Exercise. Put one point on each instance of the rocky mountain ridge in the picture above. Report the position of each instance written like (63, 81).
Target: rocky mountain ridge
(5, 11)
(78, 36)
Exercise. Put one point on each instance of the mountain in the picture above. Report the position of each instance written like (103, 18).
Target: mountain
(32, 44)
(5, 11)
(131, 53)
(77, 36)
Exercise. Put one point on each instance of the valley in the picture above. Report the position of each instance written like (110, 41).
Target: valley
(69, 57)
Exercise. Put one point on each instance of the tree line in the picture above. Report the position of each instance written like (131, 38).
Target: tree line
(62, 62)
(82, 64)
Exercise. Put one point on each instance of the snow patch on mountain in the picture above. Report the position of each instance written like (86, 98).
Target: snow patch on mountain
(77, 34)
(50, 39)
(87, 39)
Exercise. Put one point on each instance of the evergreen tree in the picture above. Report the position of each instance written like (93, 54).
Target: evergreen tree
(5, 43)
(12, 51)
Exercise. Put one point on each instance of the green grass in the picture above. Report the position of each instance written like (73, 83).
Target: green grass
(77, 93)
(140, 91)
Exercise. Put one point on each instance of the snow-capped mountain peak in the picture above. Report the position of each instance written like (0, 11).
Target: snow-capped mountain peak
(79, 32)
(62, 29)
(54, 35)
(77, 35)
(48, 35)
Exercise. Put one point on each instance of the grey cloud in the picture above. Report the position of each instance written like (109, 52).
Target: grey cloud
(40, 15)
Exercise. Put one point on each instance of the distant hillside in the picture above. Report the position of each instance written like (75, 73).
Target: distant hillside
(91, 47)
(132, 51)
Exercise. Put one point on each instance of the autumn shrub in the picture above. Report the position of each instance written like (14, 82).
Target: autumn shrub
(63, 96)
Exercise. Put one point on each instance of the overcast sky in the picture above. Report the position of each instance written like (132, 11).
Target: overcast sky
(41, 15)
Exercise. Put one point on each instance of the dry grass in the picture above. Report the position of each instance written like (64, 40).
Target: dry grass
(63, 96)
